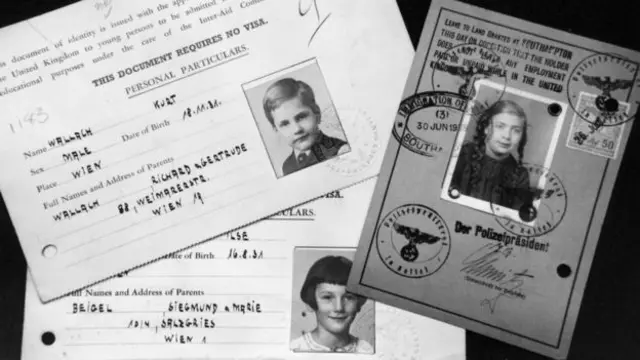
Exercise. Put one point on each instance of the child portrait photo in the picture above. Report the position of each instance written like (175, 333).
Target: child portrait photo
(296, 118)
(507, 129)
(325, 317)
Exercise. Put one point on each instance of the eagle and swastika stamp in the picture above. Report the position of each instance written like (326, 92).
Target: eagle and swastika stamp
(459, 68)
(413, 241)
(614, 79)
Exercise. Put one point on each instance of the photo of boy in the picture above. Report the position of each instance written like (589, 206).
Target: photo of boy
(325, 294)
(296, 117)
(291, 108)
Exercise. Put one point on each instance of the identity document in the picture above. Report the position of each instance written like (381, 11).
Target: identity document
(260, 292)
(495, 184)
(135, 128)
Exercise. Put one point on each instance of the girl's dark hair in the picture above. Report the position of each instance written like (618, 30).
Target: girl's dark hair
(479, 138)
(484, 121)
(331, 270)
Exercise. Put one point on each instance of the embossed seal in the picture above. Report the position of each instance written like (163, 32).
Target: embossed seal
(401, 338)
(363, 139)
(612, 80)
(365, 322)
(413, 241)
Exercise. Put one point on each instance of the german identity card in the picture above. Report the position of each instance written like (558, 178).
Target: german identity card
(495, 184)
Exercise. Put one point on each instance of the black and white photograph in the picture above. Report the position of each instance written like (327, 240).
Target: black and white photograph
(325, 317)
(506, 131)
(319, 180)
(296, 118)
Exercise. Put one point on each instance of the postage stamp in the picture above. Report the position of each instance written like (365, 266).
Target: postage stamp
(588, 133)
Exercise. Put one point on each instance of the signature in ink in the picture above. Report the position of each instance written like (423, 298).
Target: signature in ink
(481, 262)
(508, 289)
(304, 7)
(102, 5)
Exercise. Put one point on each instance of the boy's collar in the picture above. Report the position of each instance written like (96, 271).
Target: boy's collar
(319, 140)
(297, 153)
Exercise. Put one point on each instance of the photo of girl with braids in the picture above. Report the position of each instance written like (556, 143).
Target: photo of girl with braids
(489, 167)
(505, 137)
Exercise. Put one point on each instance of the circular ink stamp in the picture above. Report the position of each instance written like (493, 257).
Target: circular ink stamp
(363, 140)
(541, 212)
(460, 68)
(402, 339)
(599, 88)
(438, 108)
(413, 241)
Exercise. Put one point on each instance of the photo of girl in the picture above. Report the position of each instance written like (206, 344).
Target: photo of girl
(490, 167)
(325, 295)
(507, 132)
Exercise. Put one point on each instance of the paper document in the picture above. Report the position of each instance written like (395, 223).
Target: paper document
(497, 177)
(268, 291)
(135, 128)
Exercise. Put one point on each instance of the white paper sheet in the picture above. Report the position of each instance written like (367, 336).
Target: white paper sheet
(134, 128)
(127, 326)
